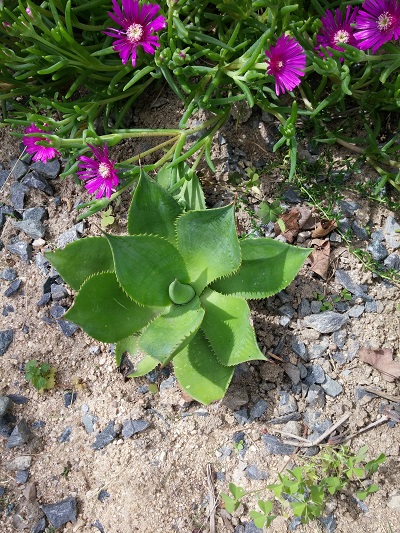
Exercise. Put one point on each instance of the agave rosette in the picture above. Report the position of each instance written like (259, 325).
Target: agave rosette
(175, 288)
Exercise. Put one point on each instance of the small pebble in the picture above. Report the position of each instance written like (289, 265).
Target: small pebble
(105, 437)
(61, 512)
(13, 288)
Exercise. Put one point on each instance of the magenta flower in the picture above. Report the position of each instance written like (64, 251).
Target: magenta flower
(138, 23)
(287, 63)
(40, 153)
(100, 174)
(377, 23)
(337, 29)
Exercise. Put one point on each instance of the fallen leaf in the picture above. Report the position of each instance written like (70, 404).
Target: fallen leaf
(382, 360)
(323, 228)
(307, 219)
(291, 221)
(319, 257)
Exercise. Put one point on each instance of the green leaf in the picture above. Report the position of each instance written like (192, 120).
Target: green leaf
(265, 506)
(105, 312)
(153, 210)
(193, 194)
(39, 382)
(258, 518)
(145, 266)
(236, 491)
(268, 266)
(180, 293)
(81, 259)
(199, 372)
(230, 504)
(128, 345)
(172, 330)
(298, 508)
(209, 245)
(226, 326)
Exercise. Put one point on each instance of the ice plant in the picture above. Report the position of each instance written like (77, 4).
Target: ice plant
(377, 22)
(99, 172)
(175, 288)
(39, 152)
(138, 24)
(286, 62)
(337, 29)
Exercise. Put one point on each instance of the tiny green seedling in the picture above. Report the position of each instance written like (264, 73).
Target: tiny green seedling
(305, 489)
(325, 304)
(238, 446)
(41, 375)
(270, 212)
(107, 219)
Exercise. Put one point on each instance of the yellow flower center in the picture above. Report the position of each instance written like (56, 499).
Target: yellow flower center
(134, 33)
(341, 36)
(104, 170)
(385, 21)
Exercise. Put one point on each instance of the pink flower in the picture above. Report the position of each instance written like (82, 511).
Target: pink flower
(287, 63)
(138, 24)
(99, 171)
(378, 21)
(40, 153)
(337, 30)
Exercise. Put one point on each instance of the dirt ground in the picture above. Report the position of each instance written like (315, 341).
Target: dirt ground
(157, 480)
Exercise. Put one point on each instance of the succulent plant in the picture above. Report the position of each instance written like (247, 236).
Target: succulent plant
(175, 288)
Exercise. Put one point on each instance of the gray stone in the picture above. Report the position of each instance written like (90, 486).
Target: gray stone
(252, 472)
(371, 307)
(20, 435)
(67, 237)
(22, 249)
(353, 346)
(17, 195)
(131, 427)
(167, 384)
(49, 169)
(317, 350)
(343, 278)
(44, 300)
(311, 417)
(38, 214)
(37, 181)
(8, 274)
(287, 310)
(393, 262)
(105, 437)
(303, 370)
(13, 288)
(18, 169)
(360, 232)
(58, 292)
(316, 307)
(284, 419)
(6, 338)
(18, 399)
(258, 409)
(293, 372)
(242, 416)
(284, 321)
(315, 374)
(331, 387)
(377, 250)
(315, 397)
(339, 338)
(235, 398)
(4, 405)
(56, 310)
(42, 263)
(69, 398)
(60, 513)
(392, 233)
(88, 421)
(65, 435)
(356, 311)
(360, 393)
(348, 207)
(300, 349)
(304, 308)
(21, 477)
(4, 174)
(97, 524)
(377, 236)
(287, 403)
(344, 225)
(103, 495)
(326, 322)
(335, 237)
(339, 358)
(68, 328)
(40, 526)
(22, 462)
(275, 445)
(329, 523)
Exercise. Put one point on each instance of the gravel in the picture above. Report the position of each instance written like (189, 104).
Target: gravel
(105, 437)
(20, 435)
(6, 338)
(326, 322)
(61, 512)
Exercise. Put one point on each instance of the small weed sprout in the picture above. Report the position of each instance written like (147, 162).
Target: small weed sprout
(305, 489)
(41, 375)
